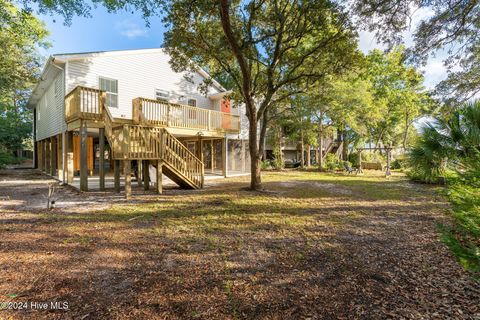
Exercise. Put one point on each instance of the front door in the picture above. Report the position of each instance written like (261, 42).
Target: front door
(226, 108)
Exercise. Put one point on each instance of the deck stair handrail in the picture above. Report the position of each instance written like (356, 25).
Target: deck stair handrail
(136, 141)
(154, 143)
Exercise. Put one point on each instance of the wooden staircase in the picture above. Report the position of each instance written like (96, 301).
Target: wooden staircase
(143, 142)
(334, 147)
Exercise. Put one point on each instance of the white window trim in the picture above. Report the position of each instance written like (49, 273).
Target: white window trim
(167, 98)
(194, 99)
(112, 93)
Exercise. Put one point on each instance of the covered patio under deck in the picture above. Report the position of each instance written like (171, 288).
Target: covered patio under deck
(94, 181)
(222, 157)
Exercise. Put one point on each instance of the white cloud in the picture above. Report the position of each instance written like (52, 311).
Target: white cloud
(434, 72)
(130, 29)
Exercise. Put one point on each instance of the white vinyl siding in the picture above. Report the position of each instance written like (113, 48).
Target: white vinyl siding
(139, 74)
(50, 111)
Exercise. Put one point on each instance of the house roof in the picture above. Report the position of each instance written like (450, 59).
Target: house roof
(55, 62)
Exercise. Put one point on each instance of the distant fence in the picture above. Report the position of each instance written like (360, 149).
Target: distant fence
(372, 165)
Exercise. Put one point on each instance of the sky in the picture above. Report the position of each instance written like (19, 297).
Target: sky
(124, 30)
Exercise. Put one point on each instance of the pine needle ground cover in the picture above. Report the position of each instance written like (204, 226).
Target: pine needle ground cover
(312, 245)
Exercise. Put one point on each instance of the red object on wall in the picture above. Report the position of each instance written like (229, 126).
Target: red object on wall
(225, 107)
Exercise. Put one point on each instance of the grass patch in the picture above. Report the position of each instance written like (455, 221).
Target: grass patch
(463, 237)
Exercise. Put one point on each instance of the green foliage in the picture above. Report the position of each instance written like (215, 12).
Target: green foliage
(269, 51)
(450, 25)
(15, 128)
(5, 157)
(398, 163)
(332, 162)
(21, 34)
(463, 237)
(398, 95)
(453, 142)
(373, 157)
(353, 159)
(265, 165)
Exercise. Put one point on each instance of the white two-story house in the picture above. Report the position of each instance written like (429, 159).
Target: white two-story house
(116, 114)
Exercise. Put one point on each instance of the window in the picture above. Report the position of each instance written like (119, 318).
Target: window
(110, 86)
(192, 113)
(162, 94)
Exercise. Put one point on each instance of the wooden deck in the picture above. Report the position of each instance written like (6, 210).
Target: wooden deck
(84, 103)
(145, 138)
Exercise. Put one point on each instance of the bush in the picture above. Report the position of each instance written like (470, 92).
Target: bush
(373, 157)
(5, 158)
(276, 163)
(332, 162)
(353, 159)
(398, 163)
(266, 164)
(463, 237)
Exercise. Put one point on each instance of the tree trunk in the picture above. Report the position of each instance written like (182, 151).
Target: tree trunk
(345, 146)
(308, 155)
(302, 148)
(255, 159)
(405, 135)
(280, 160)
(320, 145)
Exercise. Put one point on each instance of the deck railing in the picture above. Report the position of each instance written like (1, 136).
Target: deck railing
(134, 141)
(146, 142)
(156, 112)
(83, 103)
(86, 103)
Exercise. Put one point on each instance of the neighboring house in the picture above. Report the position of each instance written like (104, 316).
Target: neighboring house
(98, 112)
(292, 153)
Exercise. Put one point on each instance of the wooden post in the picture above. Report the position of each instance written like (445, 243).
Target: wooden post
(224, 156)
(244, 156)
(232, 157)
(40, 155)
(127, 166)
(159, 176)
(101, 164)
(83, 157)
(69, 146)
(212, 152)
(146, 177)
(139, 172)
(45, 156)
(60, 157)
(200, 148)
(53, 156)
(116, 173)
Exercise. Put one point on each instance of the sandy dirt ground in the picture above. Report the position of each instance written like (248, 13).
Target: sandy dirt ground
(312, 246)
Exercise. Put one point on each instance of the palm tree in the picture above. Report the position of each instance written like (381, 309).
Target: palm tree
(452, 142)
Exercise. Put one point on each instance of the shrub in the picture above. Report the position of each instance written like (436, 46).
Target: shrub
(353, 159)
(398, 163)
(266, 164)
(332, 162)
(5, 158)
